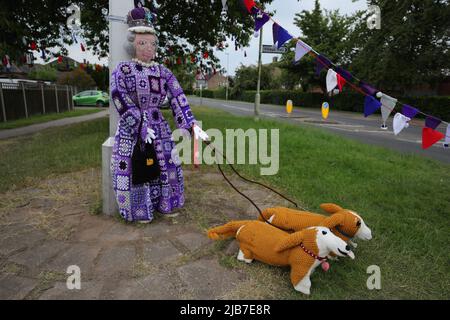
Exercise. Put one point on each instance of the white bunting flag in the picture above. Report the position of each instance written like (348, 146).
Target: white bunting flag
(332, 81)
(388, 104)
(400, 122)
(301, 49)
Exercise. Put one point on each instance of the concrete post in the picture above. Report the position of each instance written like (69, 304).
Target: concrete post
(117, 53)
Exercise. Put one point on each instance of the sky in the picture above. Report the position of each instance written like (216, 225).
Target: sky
(285, 12)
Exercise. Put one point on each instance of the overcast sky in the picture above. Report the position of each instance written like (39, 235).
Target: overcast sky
(285, 12)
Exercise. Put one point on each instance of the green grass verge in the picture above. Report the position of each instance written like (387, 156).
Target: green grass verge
(47, 117)
(403, 198)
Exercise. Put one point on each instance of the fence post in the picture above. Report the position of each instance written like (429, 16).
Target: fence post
(72, 93)
(68, 101)
(3, 102)
(24, 99)
(43, 98)
(56, 96)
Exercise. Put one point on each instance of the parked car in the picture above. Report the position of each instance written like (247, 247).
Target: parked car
(91, 98)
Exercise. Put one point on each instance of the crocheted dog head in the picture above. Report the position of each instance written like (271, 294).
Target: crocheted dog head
(346, 223)
(319, 240)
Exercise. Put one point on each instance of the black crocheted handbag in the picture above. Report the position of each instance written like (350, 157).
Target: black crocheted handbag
(144, 164)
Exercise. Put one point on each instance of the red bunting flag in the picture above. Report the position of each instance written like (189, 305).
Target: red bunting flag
(430, 137)
(206, 55)
(249, 4)
(60, 59)
(82, 47)
(33, 46)
(341, 82)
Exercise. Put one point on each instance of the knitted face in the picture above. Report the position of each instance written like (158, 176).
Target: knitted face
(328, 242)
(347, 221)
(146, 45)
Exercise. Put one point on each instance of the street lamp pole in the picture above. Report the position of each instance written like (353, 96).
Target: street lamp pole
(258, 96)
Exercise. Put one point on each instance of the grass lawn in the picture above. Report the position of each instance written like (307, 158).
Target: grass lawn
(404, 199)
(47, 117)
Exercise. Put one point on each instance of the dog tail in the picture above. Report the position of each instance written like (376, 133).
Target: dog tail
(227, 230)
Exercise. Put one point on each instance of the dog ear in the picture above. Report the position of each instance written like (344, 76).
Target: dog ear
(330, 207)
(333, 221)
(290, 241)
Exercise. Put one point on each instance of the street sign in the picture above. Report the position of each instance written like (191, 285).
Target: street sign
(273, 49)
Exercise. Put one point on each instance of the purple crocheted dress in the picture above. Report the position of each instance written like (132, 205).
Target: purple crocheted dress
(138, 91)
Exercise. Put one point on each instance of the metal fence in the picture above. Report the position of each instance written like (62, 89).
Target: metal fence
(22, 100)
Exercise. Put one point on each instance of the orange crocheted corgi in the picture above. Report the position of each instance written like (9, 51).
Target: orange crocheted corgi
(344, 223)
(303, 251)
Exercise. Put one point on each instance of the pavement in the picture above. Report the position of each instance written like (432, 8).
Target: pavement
(348, 124)
(49, 227)
(9, 133)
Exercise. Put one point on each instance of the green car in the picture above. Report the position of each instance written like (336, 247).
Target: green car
(91, 98)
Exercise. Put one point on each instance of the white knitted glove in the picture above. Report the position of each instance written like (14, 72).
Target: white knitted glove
(199, 133)
(150, 136)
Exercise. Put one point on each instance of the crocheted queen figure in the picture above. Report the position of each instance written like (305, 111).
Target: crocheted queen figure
(138, 89)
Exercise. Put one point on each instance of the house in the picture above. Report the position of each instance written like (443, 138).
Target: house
(210, 81)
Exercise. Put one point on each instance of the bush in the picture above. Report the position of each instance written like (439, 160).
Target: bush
(436, 106)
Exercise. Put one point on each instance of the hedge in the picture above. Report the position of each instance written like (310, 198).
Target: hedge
(437, 106)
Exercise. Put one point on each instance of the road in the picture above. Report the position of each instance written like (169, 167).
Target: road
(349, 124)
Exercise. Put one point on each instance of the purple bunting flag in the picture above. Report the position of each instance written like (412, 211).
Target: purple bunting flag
(409, 111)
(283, 36)
(344, 74)
(321, 62)
(371, 105)
(260, 21)
(275, 28)
(432, 122)
(367, 88)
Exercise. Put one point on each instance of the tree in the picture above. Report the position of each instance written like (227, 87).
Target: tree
(78, 78)
(184, 27)
(412, 46)
(327, 32)
(247, 78)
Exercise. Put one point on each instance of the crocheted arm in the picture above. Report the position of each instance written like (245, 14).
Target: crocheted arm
(180, 107)
(130, 115)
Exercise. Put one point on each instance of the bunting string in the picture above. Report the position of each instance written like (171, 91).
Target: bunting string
(327, 64)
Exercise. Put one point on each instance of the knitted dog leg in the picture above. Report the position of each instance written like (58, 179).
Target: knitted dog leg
(300, 278)
(245, 255)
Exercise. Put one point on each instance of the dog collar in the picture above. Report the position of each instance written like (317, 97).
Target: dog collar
(312, 254)
(343, 233)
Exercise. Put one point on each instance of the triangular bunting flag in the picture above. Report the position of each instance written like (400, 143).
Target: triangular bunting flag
(367, 88)
(400, 122)
(301, 49)
(259, 22)
(332, 81)
(409, 111)
(283, 36)
(388, 105)
(321, 62)
(344, 74)
(82, 47)
(341, 82)
(249, 4)
(430, 137)
(371, 105)
(275, 28)
(432, 122)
